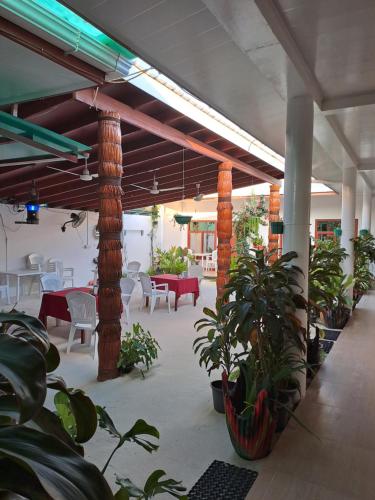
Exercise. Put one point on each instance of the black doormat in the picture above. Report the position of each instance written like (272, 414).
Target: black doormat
(223, 481)
(326, 345)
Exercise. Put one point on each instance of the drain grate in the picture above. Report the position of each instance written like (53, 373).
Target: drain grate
(326, 345)
(223, 481)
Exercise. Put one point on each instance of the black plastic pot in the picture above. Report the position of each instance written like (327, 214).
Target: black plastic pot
(331, 334)
(126, 369)
(217, 394)
(313, 356)
(336, 318)
(287, 401)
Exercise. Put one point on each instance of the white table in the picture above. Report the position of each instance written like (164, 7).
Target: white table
(18, 274)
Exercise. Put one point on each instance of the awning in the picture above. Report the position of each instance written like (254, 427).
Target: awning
(24, 142)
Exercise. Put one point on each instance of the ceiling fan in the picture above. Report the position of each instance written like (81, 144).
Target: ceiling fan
(84, 176)
(199, 195)
(155, 187)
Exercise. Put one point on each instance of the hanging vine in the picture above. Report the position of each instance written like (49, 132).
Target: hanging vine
(246, 224)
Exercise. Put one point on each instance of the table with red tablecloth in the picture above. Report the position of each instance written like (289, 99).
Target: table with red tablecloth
(54, 304)
(180, 286)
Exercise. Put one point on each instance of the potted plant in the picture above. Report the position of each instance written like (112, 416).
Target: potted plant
(217, 350)
(326, 258)
(364, 255)
(172, 261)
(263, 298)
(137, 347)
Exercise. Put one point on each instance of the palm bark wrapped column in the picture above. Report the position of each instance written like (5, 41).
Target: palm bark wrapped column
(274, 216)
(110, 246)
(224, 225)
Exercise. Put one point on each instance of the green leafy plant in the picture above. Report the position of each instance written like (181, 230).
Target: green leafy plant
(137, 346)
(217, 348)
(41, 452)
(364, 255)
(172, 261)
(246, 223)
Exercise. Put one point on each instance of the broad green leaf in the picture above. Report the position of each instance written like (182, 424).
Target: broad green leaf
(52, 358)
(30, 325)
(82, 409)
(63, 474)
(24, 367)
(46, 421)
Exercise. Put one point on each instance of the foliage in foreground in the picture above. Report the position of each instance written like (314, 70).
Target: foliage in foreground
(41, 452)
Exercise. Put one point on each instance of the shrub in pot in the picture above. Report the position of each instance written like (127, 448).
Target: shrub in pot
(41, 451)
(137, 347)
(263, 300)
(217, 350)
(364, 255)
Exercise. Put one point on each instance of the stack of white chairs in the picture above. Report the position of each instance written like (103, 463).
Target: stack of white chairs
(66, 273)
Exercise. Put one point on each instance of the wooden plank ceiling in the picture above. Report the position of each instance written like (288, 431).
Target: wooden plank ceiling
(144, 155)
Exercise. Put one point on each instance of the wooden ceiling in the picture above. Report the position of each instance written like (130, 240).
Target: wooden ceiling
(144, 155)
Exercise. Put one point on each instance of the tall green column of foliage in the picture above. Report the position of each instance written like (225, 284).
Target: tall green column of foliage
(41, 451)
(364, 255)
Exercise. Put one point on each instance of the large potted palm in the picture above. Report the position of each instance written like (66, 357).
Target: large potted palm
(263, 298)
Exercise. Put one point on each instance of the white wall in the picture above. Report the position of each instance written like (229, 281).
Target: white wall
(47, 239)
(323, 206)
(137, 243)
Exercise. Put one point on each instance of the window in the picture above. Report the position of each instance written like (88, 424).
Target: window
(324, 228)
(202, 236)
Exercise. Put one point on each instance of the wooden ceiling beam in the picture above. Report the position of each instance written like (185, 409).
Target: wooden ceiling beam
(141, 120)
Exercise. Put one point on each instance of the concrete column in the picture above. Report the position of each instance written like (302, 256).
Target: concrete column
(366, 207)
(297, 191)
(297, 187)
(349, 183)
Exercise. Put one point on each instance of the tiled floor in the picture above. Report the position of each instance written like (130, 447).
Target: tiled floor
(340, 409)
(175, 396)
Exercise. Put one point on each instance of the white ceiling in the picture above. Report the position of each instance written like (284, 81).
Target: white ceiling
(234, 54)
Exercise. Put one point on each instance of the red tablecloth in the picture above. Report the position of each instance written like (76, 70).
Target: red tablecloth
(54, 304)
(179, 286)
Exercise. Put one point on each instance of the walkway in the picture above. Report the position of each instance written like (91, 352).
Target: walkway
(340, 408)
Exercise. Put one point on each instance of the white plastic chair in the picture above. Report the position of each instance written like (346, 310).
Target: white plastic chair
(195, 271)
(66, 273)
(211, 261)
(127, 287)
(153, 292)
(4, 292)
(34, 261)
(51, 282)
(132, 269)
(82, 308)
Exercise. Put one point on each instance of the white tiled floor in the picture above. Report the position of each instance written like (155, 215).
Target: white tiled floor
(175, 396)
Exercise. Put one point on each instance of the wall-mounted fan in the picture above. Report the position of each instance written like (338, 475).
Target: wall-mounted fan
(155, 187)
(199, 195)
(75, 220)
